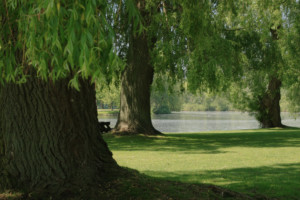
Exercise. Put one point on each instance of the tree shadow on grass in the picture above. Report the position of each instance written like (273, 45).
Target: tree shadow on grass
(281, 181)
(209, 143)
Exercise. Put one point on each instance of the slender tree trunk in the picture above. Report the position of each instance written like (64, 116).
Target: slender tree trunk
(135, 112)
(50, 137)
(269, 106)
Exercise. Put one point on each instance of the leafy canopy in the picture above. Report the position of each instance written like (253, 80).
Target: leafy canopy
(265, 32)
(56, 38)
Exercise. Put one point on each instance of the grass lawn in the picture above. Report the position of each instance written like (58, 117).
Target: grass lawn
(250, 161)
(108, 112)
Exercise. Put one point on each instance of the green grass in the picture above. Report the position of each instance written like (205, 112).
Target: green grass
(108, 112)
(134, 186)
(251, 161)
(129, 184)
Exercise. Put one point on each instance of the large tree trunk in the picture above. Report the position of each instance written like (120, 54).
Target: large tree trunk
(269, 105)
(50, 138)
(135, 112)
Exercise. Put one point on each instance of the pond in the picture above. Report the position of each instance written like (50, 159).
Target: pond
(179, 122)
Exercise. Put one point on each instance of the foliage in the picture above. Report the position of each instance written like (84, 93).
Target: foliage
(169, 53)
(185, 39)
(220, 42)
(259, 37)
(165, 96)
(56, 39)
(246, 94)
(163, 109)
(250, 161)
(291, 34)
(126, 20)
(206, 102)
(212, 59)
(108, 94)
(291, 53)
(292, 98)
(189, 44)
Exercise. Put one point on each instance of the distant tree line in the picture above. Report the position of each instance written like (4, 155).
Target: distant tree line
(166, 98)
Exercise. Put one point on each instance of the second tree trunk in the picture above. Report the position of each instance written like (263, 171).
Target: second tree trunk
(135, 111)
(269, 106)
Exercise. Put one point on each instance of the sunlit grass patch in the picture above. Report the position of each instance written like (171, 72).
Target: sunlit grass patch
(253, 161)
(107, 112)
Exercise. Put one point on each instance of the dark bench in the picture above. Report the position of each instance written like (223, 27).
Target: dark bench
(104, 127)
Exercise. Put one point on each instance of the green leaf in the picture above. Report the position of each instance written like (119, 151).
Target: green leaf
(74, 83)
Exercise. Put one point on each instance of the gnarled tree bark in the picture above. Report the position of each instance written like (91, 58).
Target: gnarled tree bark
(50, 137)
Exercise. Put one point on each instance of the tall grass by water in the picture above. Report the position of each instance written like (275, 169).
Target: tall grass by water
(264, 161)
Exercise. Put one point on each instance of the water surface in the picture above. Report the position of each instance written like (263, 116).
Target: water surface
(178, 122)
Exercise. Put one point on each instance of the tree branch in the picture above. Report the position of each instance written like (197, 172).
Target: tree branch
(165, 10)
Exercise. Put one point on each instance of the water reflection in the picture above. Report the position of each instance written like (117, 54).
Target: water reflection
(206, 121)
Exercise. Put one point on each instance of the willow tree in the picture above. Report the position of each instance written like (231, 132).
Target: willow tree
(137, 77)
(240, 42)
(258, 90)
(51, 52)
(136, 41)
(258, 27)
(176, 38)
